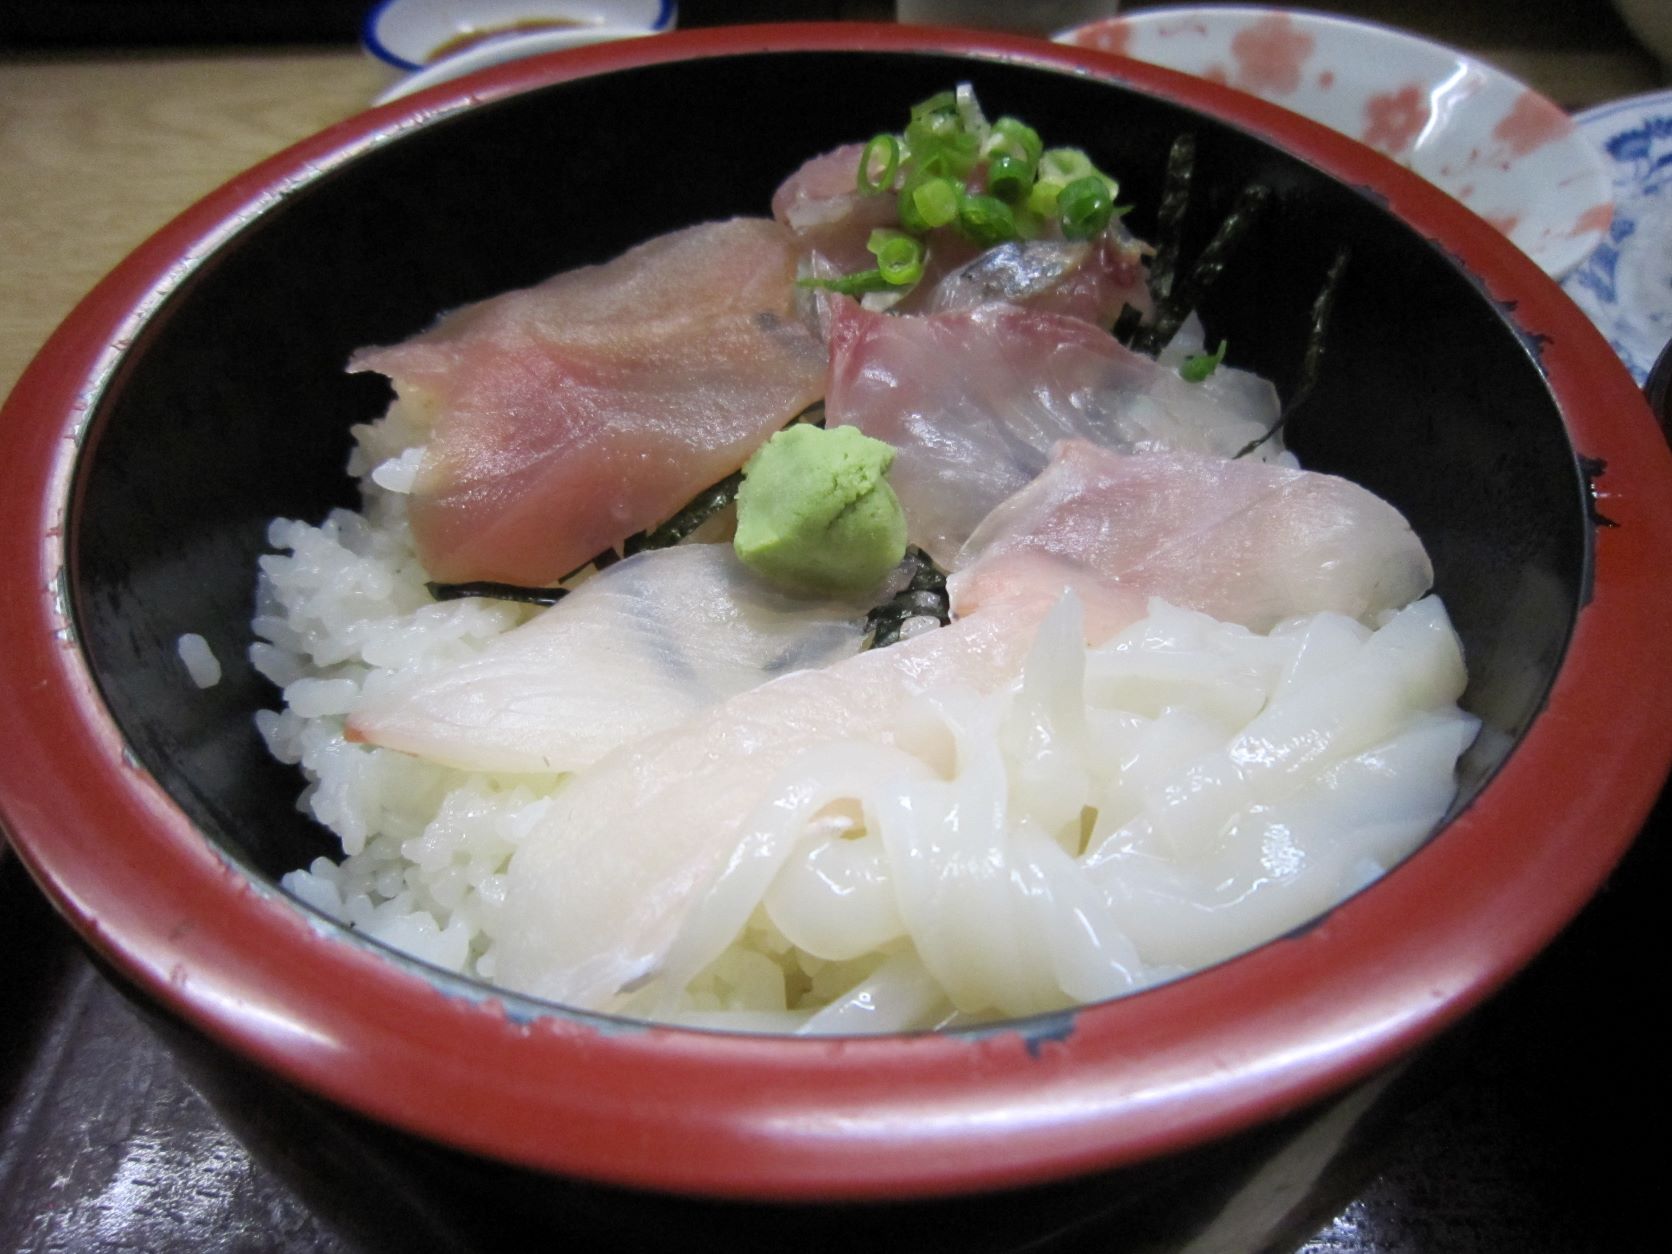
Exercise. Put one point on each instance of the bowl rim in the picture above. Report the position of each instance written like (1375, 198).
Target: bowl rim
(853, 1118)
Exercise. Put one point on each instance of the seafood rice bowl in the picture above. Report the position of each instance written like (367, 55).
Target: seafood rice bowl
(1159, 695)
(925, 597)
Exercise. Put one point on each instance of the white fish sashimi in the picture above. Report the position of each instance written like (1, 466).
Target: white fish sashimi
(1236, 391)
(974, 400)
(638, 648)
(1246, 542)
(629, 845)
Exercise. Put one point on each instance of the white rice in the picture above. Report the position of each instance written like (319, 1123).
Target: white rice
(341, 608)
(200, 660)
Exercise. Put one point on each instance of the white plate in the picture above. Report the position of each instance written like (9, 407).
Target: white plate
(1626, 284)
(1496, 145)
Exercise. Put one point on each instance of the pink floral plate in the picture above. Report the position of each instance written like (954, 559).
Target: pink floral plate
(1502, 149)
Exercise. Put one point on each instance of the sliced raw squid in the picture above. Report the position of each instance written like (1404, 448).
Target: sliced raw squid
(1245, 541)
(573, 414)
(1218, 840)
(974, 400)
(1120, 813)
(637, 648)
(629, 844)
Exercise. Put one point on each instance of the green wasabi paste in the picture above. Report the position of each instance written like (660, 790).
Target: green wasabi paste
(815, 514)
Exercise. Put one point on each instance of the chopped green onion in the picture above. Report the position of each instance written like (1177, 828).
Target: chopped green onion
(855, 284)
(883, 148)
(936, 159)
(1198, 366)
(1064, 165)
(940, 102)
(1016, 139)
(936, 163)
(1042, 199)
(899, 256)
(899, 264)
(945, 134)
(940, 145)
(1085, 206)
(969, 112)
(928, 203)
(986, 220)
(1010, 178)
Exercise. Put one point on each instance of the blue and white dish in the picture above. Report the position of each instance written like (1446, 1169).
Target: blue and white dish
(1625, 286)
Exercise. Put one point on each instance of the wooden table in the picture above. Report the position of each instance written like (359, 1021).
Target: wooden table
(97, 152)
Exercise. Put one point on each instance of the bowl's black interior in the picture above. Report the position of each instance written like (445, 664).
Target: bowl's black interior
(232, 407)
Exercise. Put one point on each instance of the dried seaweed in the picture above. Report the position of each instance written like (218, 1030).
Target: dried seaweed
(1185, 293)
(924, 596)
(496, 591)
(1312, 360)
(1169, 218)
(707, 503)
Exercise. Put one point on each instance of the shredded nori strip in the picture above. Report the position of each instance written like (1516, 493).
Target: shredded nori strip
(1312, 362)
(1185, 294)
(1127, 324)
(707, 503)
(924, 596)
(497, 591)
(710, 501)
(1169, 218)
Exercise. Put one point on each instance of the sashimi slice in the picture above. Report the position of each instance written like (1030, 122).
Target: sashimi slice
(832, 222)
(570, 415)
(597, 893)
(1087, 279)
(1244, 541)
(1237, 391)
(822, 206)
(636, 649)
(974, 400)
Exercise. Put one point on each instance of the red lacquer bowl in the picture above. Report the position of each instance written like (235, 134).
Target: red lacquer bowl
(198, 392)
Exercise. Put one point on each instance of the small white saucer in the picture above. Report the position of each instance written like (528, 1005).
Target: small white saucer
(442, 39)
(509, 48)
